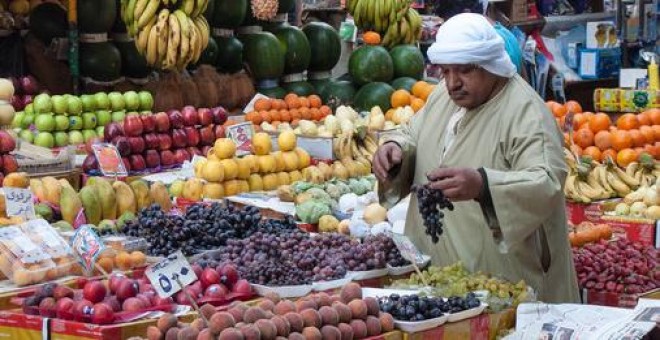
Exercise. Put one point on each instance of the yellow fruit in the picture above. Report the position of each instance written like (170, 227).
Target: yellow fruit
(141, 190)
(267, 164)
(89, 197)
(295, 176)
(176, 188)
(52, 189)
(286, 140)
(303, 158)
(123, 261)
(271, 182)
(224, 148)
(138, 259)
(340, 171)
(326, 170)
(243, 186)
(213, 191)
(16, 180)
(290, 160)
(198, 167)
(70, 204)
(231, 168)
(193, 188)
(160, 196)
(243, 168)
(255, 183)
(212, 157)
(125, 198)
(313, 174)
(349, 164)
(213, 171)
(231, 187)
(38, 189)
(279, 161)
(252, 160)
(284, 178)
(261, 143)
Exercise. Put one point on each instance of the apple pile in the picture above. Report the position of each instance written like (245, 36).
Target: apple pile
(61, 120)
(619, 267)
(8, 163)
(164, 139)
(25, 88)
(217, 286)
(96, 301)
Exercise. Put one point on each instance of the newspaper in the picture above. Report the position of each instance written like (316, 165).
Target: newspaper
(585, 322)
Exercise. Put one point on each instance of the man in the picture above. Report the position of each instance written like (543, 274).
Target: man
(488, 142)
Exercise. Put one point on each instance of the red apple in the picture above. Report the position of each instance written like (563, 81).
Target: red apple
(133, 125)
(197, 269)
(176, 119)
(219, 131)
(95, 291)
(228, 275)
(102, 314)
(181, 299)
(242, 287)
(137, 145)
(205, 150)
(164, 142)
(82, 307)
(192, 135)
(145, 287)
(29, 85)
(133, 305)
(112, 131)
(127, 163)
(162, 122)
(47, 306)
(92, 141)
(219, 115)
(148, 123)
(179, 138)
(207, 135)
(159, 301)
(122, 145)
(190, 117)
(127, 289)
(9, 164)
(151, 141)
(216, 291)
(167, 158)
(7, 142)
(137, 162)
(64, 308)
(113, 302)
(152, 159)
(204, 116)
(90, 163)
(114, 280)
(194, 151)
(62, 291)
(81, 282)
(196, 288)
(146, 300)
(209, 276)
(181, 155)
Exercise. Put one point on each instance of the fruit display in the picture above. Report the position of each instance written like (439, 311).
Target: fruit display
(163, 140)
(169, 35)
(25, 88)
(8, 163)
(395, 20)
(217, 285)
(431, 204)
(408, 100)
(7, 95)
(587, 232)
(325, 47)
(110, 260)
(419, 308)
(620, 266)
(271, 113)
(318, 316)
(641, 203)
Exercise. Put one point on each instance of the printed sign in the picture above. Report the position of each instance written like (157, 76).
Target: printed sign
(87, 246)
(171, 275)
(317, 147)
(109, 160)
(407, 248)
(241, 134)
(19, 202)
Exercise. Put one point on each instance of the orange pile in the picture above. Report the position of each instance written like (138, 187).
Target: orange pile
(597, 136)
(421, 90)
(291, 109)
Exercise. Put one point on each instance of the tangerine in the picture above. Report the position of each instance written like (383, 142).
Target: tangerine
(419, 88)
(417, 104)
(305, 113)
(285, 115)
(123, 261)
(648, 133)
(265, 116)
(593, 152)
(326, 110)
(621, 140)
(400, 98)
(315, 101)
(599, 122)
(608, 154)
(573, 106)
(262, 104)
(316, 114)
(644, 119)
(584, 138)
(627, 121)
(654, 115)
(603, 140)
(275, 115)
(637, 138)
(274, 104)
(304, 102)
(656, 131)
(625, 157)
(138, 258)
(579, 121)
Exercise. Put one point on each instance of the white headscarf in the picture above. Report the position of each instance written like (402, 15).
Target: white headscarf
(470, 38)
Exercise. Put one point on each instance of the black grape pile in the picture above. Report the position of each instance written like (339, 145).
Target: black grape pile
(394, 257)
(431, 203)
(419, 308)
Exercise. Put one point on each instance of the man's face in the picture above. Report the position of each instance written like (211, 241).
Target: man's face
(469, 86)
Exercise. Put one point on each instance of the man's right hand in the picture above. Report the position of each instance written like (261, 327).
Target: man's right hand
(387, 157)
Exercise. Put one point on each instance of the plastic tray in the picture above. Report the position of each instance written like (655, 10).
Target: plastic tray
(369, 274)
(396, 271)
(420, 326)
(466, 314)
(284, 291)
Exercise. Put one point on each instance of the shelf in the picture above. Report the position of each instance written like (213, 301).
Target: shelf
(566, 22)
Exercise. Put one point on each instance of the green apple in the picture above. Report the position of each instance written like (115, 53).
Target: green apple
(88, 134)
(88, 102)
(44, 139)
(61, 138)
(145, 113)
(27, 136)
(42, 103)
(75, 106)
(45, 122)
(59, 104)
(75, 123)
(102, 101)
(117, 101)
(89, 120)
(146, 101)
(132, 100)
(118, 116)
(103, 117)
(99, 130)
(29, 109)
(18, 119)
(27, 121)
(76, 138)
(61, 123)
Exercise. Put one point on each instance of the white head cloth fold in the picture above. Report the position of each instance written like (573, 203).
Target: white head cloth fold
(470, 38)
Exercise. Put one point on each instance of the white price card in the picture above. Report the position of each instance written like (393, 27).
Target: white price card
(318, 147)
(241, 134)
(87, 245)
(19, 202)
(171, 275)
(407, 248)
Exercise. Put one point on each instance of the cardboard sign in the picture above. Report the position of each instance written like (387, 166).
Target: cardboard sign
(171, 275)
(87, 246)
(19, 202)
(109, 160)
(241, 134)
(407, 248)
(317, 147)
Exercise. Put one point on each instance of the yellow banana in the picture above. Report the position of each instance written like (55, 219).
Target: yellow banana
(629, 180)
(592, 180)
(152, 46)
(184, 47)
(617, 184)
(163, 30)
(601, 175)
(135, 9)
(174, 39)
(631, 169)
(587, 190)
(143, 37)
(187, 7)
(148, 15)
(195, 43)
(204, 30)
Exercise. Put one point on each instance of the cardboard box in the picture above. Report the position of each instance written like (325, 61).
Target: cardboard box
(643, 231)
(484, 326)
(613, 299)
(620, 100)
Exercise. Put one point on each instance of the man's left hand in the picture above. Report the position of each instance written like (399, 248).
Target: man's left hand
(457, 184)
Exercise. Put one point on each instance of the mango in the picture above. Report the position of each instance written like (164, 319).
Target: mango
(70, 205)
(160, 196)
(65, 183)
(125, 217)
(107, 197)
(213, 191)
(16, 180)
(141, 191)
(89, 197)
(125, 198)
(37, 188)
(52, 189)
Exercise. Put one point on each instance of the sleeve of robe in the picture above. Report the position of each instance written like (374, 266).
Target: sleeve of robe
(521, 196)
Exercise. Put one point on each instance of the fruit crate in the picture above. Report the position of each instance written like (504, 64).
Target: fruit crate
(611, 299)
(593, 212)
(643, 231)
(484, 326)
(36, 160)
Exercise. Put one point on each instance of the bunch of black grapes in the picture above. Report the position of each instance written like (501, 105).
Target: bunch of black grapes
(431, 202)
(419, 308)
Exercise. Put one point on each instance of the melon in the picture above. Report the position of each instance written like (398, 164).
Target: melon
(100, 61)
(261, 144)
(325, 46)
(373, 94)
(408, 61)
(230, 54)
(338, 92)
(369, 64)
(403, 83)
(320, 84)
(301, 88)
(286, 141)
(296, 47)
(48, 21)
(263, 55)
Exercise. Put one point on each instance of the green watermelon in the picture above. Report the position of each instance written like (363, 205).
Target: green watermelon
(408, 61)
(325, 46)
(230, 54)
(301, 88)
(229, 14)
(48, 21)
(320, 84)
(96, 16)
(264, 55)
(373, 94)
(272, 92)
(294, 42)
(370, 64)
(100, 61)
(338, 92)
(405, 83)
(210, 54)
(133, 64)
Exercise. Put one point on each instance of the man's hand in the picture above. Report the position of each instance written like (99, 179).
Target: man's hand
(457, 184)
(387, 157)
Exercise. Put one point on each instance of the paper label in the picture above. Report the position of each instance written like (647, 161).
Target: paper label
(317, 147)
(170, 275)
(407, 248)
(87, 246)
(19, 202)
(109, 160)
(241, 134)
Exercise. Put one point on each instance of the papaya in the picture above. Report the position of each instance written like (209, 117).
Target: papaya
(141, 190)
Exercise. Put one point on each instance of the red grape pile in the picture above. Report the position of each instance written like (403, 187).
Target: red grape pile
(431, 202)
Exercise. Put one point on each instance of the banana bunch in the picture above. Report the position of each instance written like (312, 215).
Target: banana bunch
(349, 145)
(170, 34)
(395, 20)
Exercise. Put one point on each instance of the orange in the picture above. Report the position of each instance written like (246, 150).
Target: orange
(656, 131)
(593, 152)
(290, 96)
(609, 154)
(285, 115)
(389, 114)
(417, 104)
(265, 116)
(625, 157)
(292, 103)
(573, 106)
(557, 109)
(326, 110)
(427, 92)
(295, 114)
(305, 113)
(419, 88)
(647, 132)
(400, 98)
(253, 117)
(654, 115)
(627, 121)
(295, 122)
(603, 140)
(576, 149)
(637, 138)
(123, 261)
(599, 122)
(138, 258)
(644, 118)
(304, 102)
(579, 121)
(275, 115)
(316, 114)
(262, 104)
(315, 101)
(621, 140)
(274, 104)
(584, 138)
(371, 38)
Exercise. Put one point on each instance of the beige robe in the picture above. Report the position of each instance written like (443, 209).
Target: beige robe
(515, 139)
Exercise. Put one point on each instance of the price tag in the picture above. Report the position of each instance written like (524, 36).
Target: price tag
(109, 160)
(407, 248)
(171, 275)
(348, 31)
(19, 202)
(241, 134)
(87, 246)
(317, 147)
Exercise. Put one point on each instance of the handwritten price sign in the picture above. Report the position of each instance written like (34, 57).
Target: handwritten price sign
(171, 275)
(87, 245)
(19, 202)
(241, 134)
